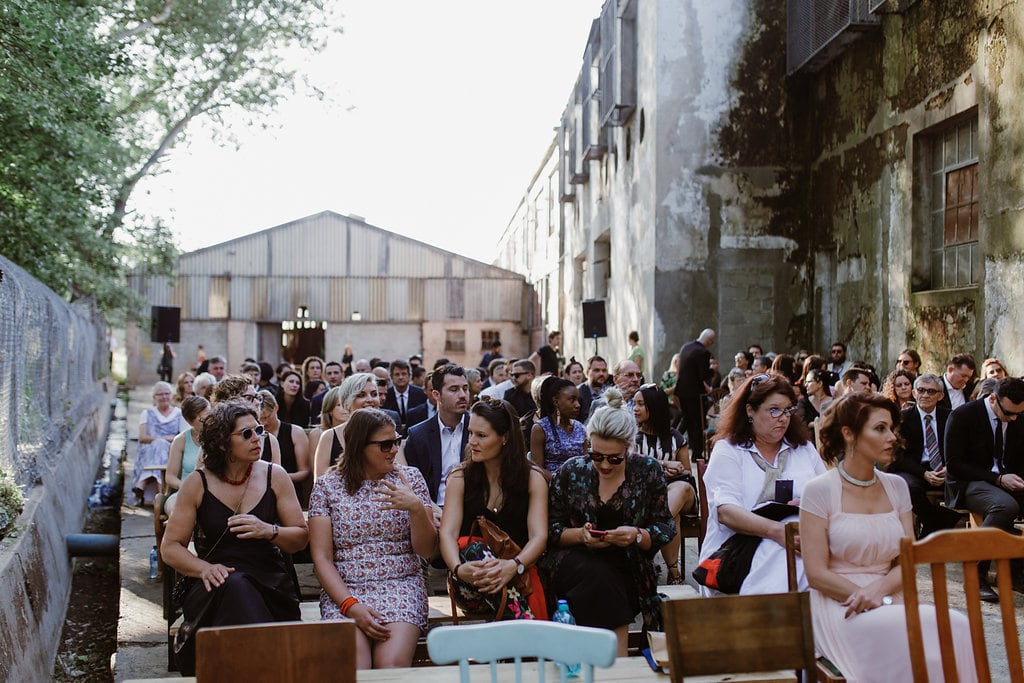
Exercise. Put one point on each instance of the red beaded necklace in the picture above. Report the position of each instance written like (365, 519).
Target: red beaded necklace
(236, 482)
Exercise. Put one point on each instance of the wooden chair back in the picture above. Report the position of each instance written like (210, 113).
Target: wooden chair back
(792, 534)
(285, 652)
(736, 634)
(968, 547)
(514, 640)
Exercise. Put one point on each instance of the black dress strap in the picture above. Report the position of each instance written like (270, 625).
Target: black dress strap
(202, 475)
(270, 468)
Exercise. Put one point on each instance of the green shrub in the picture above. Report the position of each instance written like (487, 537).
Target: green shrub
(12, 502)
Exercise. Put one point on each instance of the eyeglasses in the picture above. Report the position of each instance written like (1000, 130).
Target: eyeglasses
(755, 380)
(255, 398)
(247, 433)
(520, 374)
(649, 385)
(776, 413)
(601, 457)
(1008, 413)
(387, 444)
(927, 391)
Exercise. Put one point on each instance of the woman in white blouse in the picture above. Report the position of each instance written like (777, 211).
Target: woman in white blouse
(760, 441)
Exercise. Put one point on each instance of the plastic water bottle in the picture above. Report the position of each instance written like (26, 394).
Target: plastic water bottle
(152, 563)
(564, 616)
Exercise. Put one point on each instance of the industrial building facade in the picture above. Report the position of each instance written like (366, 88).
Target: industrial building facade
(317, 284)
(791, 174)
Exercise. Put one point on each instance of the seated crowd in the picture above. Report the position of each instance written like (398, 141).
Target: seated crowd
(406, 471)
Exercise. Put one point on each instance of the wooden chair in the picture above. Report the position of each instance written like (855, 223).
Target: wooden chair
(544, 640)
(827, 671)
(737, 634)
(284, 652)
(966, 546)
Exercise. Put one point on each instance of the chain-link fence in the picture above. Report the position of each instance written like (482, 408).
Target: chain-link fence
(51, 355)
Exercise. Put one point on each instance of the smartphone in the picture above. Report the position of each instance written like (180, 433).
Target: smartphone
(783, 490)
(597, 533)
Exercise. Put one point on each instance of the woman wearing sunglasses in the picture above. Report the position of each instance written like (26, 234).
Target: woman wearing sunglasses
(368, 520)
(763, 453)
(247, 515)
(609, 516)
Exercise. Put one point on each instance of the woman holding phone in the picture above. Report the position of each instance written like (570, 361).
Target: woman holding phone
(608, 517)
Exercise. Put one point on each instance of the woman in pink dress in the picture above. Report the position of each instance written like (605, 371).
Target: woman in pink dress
(368, 521)
(851, 521)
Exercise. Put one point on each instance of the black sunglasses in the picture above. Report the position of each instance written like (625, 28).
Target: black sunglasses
(247, 433)
(1008, 413)
(387, 444)
(520, 374)
(601, 457)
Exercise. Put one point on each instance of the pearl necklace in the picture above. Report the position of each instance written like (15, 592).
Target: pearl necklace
(857, 482)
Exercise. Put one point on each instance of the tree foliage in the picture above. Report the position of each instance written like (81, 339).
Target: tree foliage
(94, 93)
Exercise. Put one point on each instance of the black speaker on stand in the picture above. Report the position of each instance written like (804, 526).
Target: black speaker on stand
(165, 324)
(594, 323)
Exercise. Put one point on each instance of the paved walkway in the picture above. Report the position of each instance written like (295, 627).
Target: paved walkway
(142, 631)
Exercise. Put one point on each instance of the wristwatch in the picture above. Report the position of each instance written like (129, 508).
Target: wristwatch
(639, 535)
(520, 567)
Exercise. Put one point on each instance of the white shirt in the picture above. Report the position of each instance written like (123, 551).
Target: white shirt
(956, 396)
(451, 453)
(733, 478)
(994, 420)
(498, 390)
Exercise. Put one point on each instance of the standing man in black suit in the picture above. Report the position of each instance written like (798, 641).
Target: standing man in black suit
(985, 463)
(692, 386)
(920, 461)
(958, 382)
(436, 446)
(402, 395)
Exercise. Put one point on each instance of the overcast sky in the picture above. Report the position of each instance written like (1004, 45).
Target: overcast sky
(440, 113)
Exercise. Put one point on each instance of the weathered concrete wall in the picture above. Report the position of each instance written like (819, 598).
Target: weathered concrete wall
(35, 571)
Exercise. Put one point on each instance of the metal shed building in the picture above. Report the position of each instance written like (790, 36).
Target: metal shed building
(313, 285)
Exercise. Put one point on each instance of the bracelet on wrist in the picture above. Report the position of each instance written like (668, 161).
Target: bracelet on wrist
(454, 573)
(274, 535)
(347, 604)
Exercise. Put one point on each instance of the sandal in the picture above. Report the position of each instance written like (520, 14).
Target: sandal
(675, 577)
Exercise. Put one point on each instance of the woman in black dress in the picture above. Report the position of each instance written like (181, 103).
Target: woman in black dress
(291, 440)
(293, 407)
(246, 515)
(498, 482)
(609, 516)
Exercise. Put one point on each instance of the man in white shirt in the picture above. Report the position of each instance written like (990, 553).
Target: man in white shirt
(402, 396)
(957, 383)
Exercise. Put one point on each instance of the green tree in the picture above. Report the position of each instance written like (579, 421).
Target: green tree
(94, 93)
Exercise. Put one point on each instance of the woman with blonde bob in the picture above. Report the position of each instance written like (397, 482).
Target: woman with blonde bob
(852, 520)
(357, 391)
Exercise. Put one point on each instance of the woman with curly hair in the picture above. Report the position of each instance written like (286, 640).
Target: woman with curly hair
(247, 516)
(898, 387)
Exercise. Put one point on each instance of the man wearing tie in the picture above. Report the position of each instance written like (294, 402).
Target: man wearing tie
(403, 396)
(985, 463)
(920, 462)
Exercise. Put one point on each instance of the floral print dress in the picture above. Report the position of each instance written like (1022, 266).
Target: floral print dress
(373, 546)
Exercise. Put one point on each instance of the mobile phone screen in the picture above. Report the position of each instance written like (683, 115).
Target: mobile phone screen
(783, 490)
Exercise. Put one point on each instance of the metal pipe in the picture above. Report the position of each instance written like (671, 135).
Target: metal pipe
(92, 545)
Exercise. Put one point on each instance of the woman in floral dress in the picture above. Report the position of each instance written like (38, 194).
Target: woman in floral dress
(368, 521)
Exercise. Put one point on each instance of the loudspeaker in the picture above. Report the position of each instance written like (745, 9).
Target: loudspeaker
(594, 324)
(165, 324)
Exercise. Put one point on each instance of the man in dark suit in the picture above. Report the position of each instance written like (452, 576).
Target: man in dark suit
(920, 461)
(692, 386)
(436, 446)
(593, 388)
(402, 395)
(985, 463)
(958, 382)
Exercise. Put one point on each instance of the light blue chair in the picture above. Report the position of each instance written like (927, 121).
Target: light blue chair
(544, 640)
